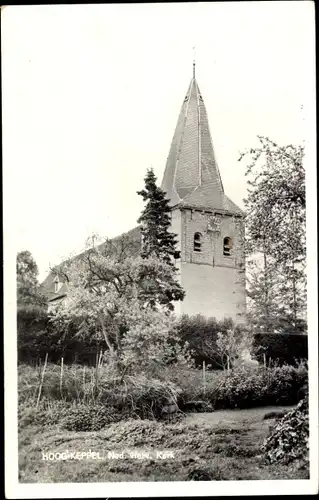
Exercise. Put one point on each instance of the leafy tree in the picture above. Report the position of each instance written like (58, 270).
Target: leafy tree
(108, 294)
(232, 346)
(28, 288)
(31, 308)
(276, 227)
(201, 335)
(157, 239)
(263, 294)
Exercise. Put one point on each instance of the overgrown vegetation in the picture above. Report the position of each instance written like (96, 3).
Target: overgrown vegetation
(242, 387)
(289, 439)
(202, 450)
(87, 391)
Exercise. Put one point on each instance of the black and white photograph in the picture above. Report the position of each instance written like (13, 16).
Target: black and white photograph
(160, 249)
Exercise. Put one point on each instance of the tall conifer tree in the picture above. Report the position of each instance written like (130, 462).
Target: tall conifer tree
(157, 240)
(155, 222)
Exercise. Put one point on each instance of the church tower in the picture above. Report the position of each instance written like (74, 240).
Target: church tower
(209, 226)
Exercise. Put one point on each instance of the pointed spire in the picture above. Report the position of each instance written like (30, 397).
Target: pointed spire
(192, 175)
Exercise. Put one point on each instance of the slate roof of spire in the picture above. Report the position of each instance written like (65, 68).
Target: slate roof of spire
(191, 176)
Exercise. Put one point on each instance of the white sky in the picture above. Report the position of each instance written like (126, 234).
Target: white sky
(91, 96)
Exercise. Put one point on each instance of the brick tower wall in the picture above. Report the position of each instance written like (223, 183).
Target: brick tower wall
(214, 283)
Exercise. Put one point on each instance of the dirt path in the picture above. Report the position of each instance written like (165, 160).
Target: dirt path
(231, 417)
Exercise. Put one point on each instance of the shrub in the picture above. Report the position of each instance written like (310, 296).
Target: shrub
(283, 383)
(245, 387)
(147, 398)
(288, 441)
(31, 329)
(72, 417)
(48, 413)
(38, 335)
(190, 383)
(90, 417)
(35, 338)
(135, 396)
(201, 334)
(238, 388)
(283, 348)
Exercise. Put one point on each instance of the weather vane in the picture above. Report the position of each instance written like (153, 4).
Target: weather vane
(194, 61)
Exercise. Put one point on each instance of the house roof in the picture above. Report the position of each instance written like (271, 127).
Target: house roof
(192, 175)
(131, 244)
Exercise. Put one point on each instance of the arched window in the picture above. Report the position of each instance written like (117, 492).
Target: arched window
(227, 247)
(197, 242)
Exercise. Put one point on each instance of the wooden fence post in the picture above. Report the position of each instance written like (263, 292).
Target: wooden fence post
(61, 377)
(204, 376)
(97, 369)
(42, 377)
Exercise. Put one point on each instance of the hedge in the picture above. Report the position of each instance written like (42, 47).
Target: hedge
(283, 348)
(37, 336)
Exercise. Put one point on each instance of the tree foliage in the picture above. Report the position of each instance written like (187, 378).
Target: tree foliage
(289, 439)
(29, 293)
(157, 239)
(121, 298)
(155, 222)
(276, 229)
(232, 346)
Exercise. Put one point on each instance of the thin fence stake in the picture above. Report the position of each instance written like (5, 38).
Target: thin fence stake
(83, 383)
(61, 377)
(204, 377)
(97, 369)
(42, 377)
(92, 382)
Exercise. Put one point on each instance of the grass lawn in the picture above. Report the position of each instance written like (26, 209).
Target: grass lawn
(223, 445)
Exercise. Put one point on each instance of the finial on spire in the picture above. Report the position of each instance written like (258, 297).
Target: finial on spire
(194, 62)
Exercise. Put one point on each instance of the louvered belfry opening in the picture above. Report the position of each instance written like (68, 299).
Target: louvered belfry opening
(197, 242)
(228, 245)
